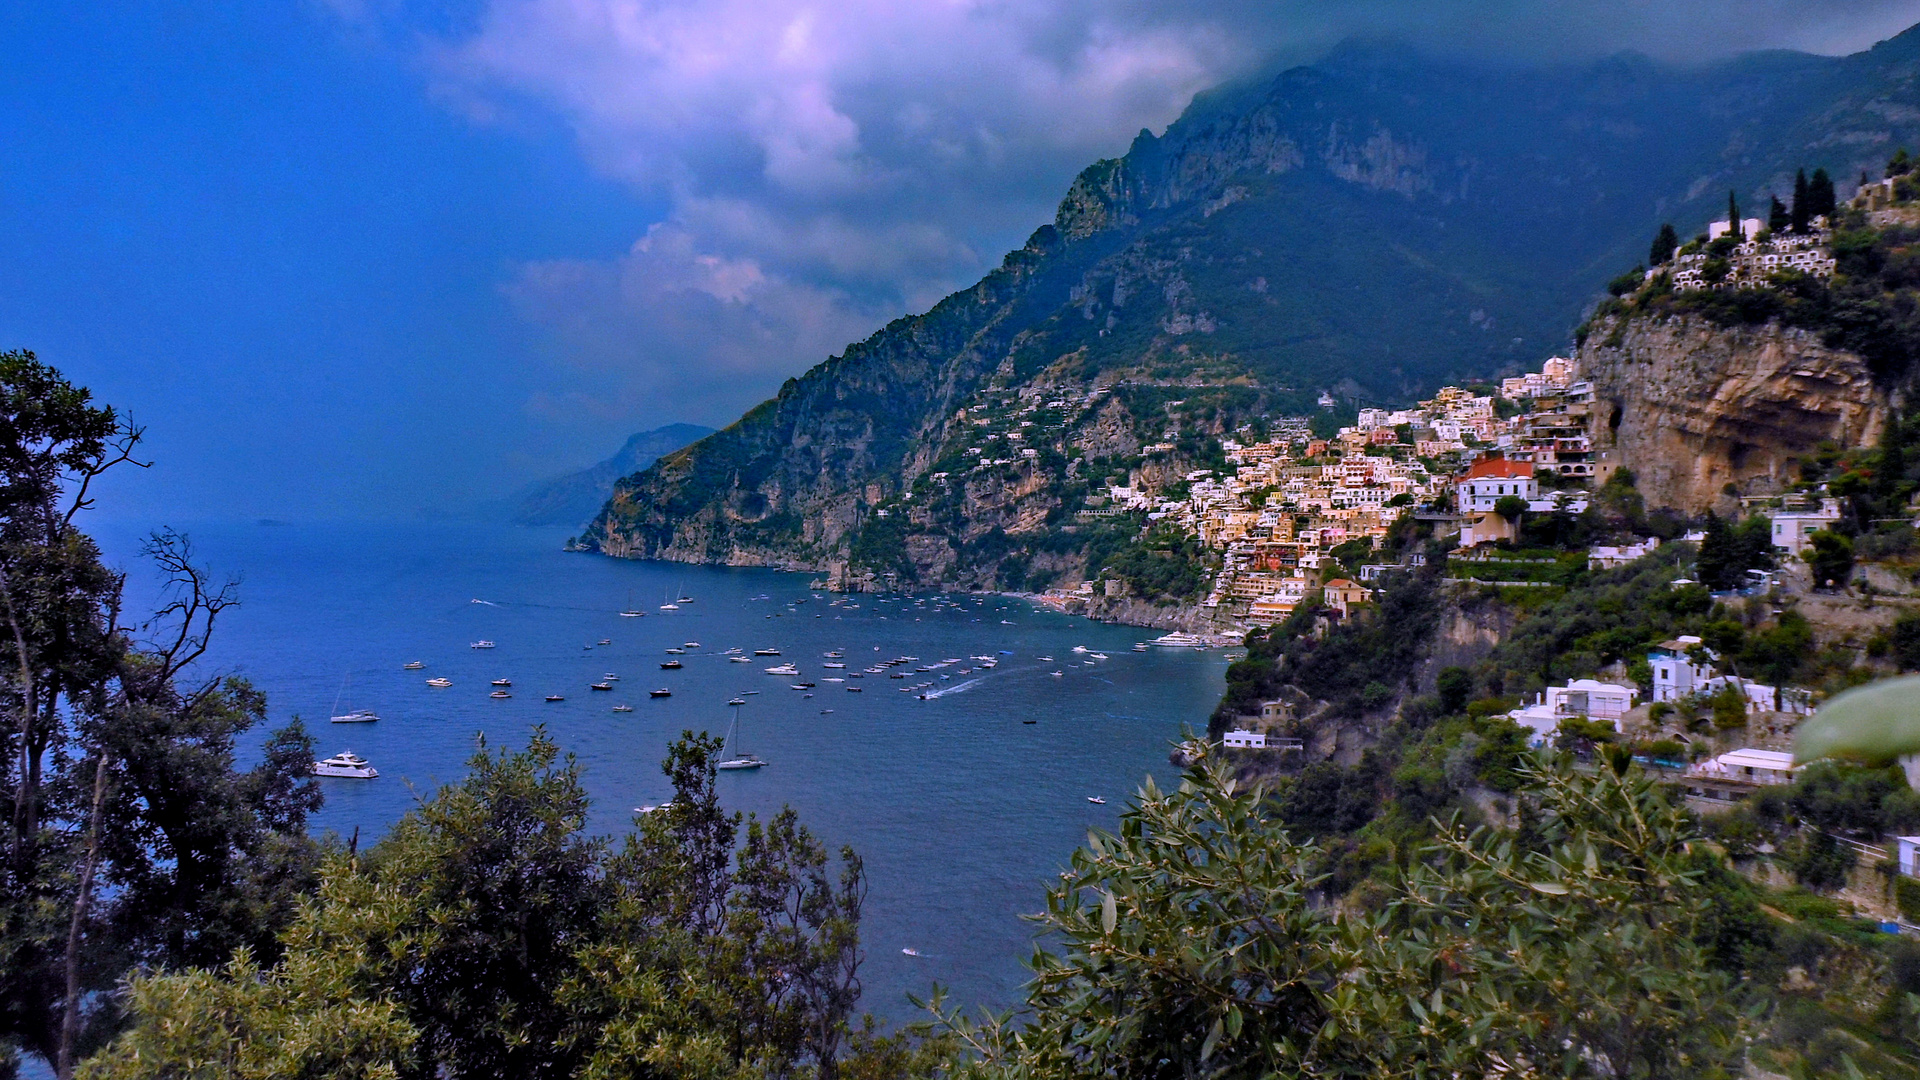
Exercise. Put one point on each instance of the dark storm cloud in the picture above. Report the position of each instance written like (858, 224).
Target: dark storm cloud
(837, 164)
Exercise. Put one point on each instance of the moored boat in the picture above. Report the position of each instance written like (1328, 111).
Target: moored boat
(356, 716)
(348, 764)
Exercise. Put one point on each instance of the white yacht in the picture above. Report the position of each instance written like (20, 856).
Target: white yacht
(1180, 639)
(782, 669)
(414, 665)
(730, 759)
(439, 684)
(346, 763)
(357, 716)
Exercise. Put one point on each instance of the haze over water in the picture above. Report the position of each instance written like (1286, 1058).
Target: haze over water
(961, 811)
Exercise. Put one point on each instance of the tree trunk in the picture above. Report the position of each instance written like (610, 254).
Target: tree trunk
(70, 1008)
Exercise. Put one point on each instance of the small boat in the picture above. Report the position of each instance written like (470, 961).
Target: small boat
(482, 644)
(503, 682)
(1029, 721)
(689, 644)
(610, 677)
(739, 761)
(414, 665)
(1096, 800)
(600, 686)
(833, 664)
(854, 689)
(745, 761)
(440, 684)
(676, 652)
(357, 716)
(686, 599)
(606, 641)
(1098, 655)
(1079, 648)
(1057, 674)
(783, 669)
(631, 612)
(623, 708)
(910, 952)
(671, 665)
(737, 701)
(500, 694)
(766, 652)
(555, 697)
(1044, 659)
(741, 659)
(1139, 646)
(669, 607)
(346, 763)
(662, 692)
(653, 809)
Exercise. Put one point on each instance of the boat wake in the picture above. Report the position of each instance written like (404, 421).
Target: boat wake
(954, 689)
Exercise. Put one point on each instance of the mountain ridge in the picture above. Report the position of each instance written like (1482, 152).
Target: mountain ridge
(1377, 223)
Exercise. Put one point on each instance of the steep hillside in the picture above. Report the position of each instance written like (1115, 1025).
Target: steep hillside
(1375, 224)
(576, 497)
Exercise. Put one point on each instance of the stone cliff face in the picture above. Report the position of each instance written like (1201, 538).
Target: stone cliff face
(1693, 408)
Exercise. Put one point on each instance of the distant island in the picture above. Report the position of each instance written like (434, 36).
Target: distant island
(576, 497)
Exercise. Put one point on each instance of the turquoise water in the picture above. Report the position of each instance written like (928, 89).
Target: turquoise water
(960, 810)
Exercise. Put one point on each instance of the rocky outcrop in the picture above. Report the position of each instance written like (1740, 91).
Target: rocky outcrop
(1702, 412)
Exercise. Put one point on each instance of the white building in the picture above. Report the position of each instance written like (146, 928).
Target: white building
(1245, 740)
(1675, 675)
(1760, 767)
(1907, 854)
(1749, 228)
(1590, 698)
(1609, 557)
(1791, 528)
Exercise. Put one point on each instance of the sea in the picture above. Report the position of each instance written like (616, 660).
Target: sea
(964, 798)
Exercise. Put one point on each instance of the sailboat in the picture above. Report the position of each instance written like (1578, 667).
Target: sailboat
(352, 715)
(631, 612)
(740, 761)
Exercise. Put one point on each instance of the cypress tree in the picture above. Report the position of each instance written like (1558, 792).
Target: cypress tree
(1802, 203)
(1664, 243)
(1820, 193)
(1777, 219)
(1900, 165)
(1733, 220)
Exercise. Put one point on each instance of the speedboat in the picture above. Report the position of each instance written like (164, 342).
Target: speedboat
(662, 692)
(503, 682)
(633, 614)
(357, 716)
(783, 669)
(1057, 674)
(651, 809)
(623, 708)
(1098, 655)
(676, 652)
(414, 665)
(500, 695)
(482, 644)
(833, 664)
(737, 701)
(689, 644)
(600, 686)
(741, 659)
(671, 665)
(439, 684)
(1096, 800)
(555, 697)
(910, 952)
(766, 652)
(1045, 659)
(346, 763)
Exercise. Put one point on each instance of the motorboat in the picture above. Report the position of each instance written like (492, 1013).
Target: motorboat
(606, 641)
(1180, 639)
(1096, 800)
(833, 664)
(503, 682)
(835, 655)
(671, 665)
(610, 677)
(676, 652)
(357, 716)
(414, 665)
(1029, 721)
(1044, 659)
(1139, 646)
(500, 695)
(1057, 674)
(783, 669)
(766, 652)
(439, 684)
(600, 686)
(555, 697)
(854, 689)
(689, 644)
(1098, 655)
(346, 763)
(741, 659)
(482, 644)
(668, 805)
(802, 685)
(737, 701)
(662, 692)
(686, 599)
(623, 708)
(1079, 648)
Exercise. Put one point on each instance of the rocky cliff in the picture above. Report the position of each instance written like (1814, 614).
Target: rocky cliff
(1704, 413)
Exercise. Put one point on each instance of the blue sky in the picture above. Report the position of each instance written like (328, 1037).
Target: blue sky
(366, 257)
